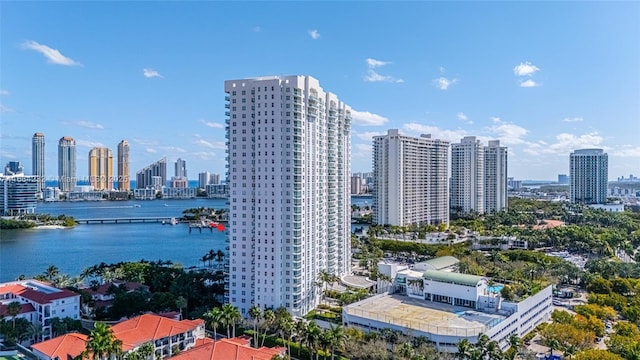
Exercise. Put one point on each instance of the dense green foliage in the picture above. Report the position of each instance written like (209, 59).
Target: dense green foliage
(10, 224)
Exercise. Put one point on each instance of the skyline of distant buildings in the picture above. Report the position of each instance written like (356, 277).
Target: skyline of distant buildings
(101, 168)
(124, 179)
(67, 177)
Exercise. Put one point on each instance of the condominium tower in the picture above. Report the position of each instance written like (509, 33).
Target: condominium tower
(467, 176)
(412, 185)
(289, 205)
(101, 168)
(478, 176)
(154, 175)
(124, 181)
(37, 160)
(181, 168)
(67, 164)
(589, 173)
(495, 177)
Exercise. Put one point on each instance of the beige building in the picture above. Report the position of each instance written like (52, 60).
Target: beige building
(101, 168)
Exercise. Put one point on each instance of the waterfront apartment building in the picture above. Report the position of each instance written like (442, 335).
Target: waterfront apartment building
(13, 168)
(289, 181)
(101, 168)
(589, 173)
(467, 176)
(206, 178)
(356, 185)
(18, 194)
(412, 185)
(181, 168)
(37, 160)
(67, 164)
(495, 177)
(124, 180)
(154, 175)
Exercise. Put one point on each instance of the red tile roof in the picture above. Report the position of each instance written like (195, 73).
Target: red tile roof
(229, 349)
(34, 295)
(24, 308)
(148, 327)
(67, 346)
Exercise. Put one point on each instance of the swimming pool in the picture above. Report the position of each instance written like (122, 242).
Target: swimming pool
(494, 289)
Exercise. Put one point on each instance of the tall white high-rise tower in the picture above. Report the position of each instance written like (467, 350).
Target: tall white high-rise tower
(289, 181)
(467, 176)
(495, 177)
(589, 176)
(412, 185)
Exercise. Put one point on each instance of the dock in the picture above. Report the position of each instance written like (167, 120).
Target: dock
(123, 220)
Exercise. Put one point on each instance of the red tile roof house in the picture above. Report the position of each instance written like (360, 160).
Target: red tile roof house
(187, 335)
(40, 302)
(104, 299)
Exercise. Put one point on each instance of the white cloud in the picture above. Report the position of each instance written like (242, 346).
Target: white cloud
(374, 76)
(443, 83)
(442, 70)
(496, 119)
(220, 145)
(436, 132)
(463, 117)
(565, 143)
(5, 110)
(508, 134)
(173, 149)
(212, 124)
(53, 55)
(572, 119)
(88, 143)
(361, 151)
(146, 142)
(367, 118)
(152, 151)
(150, 73)
(525, 69)
(627, 151)
(84, 124)
(8, 155)
(314, 34)
(205, 155)
(373, 63)
(4, 92)
(368, 135)
(529, 83)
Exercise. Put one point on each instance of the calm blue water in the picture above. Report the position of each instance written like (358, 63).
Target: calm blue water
(31, 251)
(495, 289)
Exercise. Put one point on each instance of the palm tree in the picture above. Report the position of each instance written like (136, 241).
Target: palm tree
(338, 339)
(312, 337)
(230, 315)
(269, 317)
(51, 272)
(255, 313)
(552, 344)
(286, 327)
(102, 343)
(214, 319)
(464, 349)
(324, 342)
(13, 309)
(181, 303)
(300, 330)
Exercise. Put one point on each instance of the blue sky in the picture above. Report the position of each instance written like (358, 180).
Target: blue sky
(543, 77)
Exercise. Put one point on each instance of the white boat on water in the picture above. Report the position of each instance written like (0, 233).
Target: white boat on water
(172, 221)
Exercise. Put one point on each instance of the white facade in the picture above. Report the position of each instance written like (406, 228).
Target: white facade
(467, 176)
(67, 178)
(18, 194)
(589, 173)
(411, 184)
(48, 302)
(495, 177)
(289, 181)
(37, 159)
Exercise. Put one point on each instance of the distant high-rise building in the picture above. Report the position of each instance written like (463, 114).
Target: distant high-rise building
(467, 176)
(154, 175)
(495, 177)
(411, 180)
(206, 178)
(124, 181)
(17, 194)
(289, 171)
(37, 160)
(214, 179)
(563, 179)
(181, 168)
(356, 185)
(589, 174)
(101, 168)
(13, 168)
(67, 164)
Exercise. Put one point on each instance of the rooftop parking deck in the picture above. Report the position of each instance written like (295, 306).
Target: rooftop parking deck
(426, 316)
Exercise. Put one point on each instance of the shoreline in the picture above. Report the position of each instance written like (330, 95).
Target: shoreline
(49, 227)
